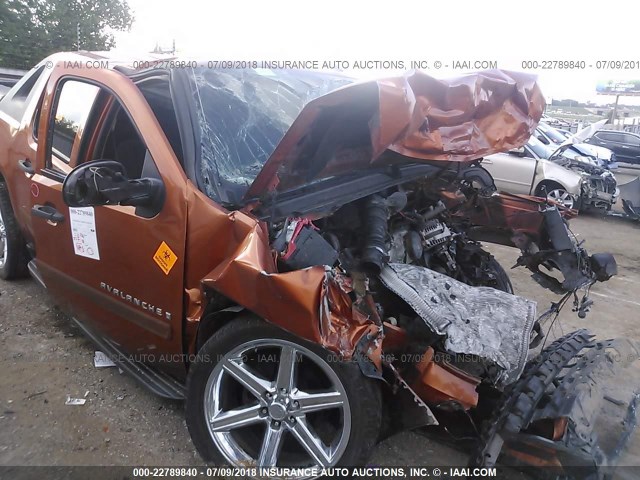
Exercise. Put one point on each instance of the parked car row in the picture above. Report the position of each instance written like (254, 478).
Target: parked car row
(555, 173)
(551, 136)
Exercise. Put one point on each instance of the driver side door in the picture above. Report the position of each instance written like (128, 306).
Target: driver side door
(118, 272)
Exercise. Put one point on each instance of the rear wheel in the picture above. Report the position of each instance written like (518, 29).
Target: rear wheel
(13, 256)
(258, 395)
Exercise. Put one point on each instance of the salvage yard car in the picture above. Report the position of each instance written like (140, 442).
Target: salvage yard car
(601, 156)
(298, 256)
(537, 169)
(626, 145)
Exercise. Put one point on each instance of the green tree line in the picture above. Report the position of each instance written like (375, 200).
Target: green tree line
(32, 29)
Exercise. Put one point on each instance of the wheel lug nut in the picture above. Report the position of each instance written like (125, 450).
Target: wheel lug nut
(296, 404)
(263, 411)
(276, 424)
(268, 395)
(292, 419)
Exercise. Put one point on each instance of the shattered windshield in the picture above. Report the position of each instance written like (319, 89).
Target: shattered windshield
(243, 115)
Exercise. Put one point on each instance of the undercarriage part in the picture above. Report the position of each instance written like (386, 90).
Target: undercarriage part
(478, 177)
(557, 230)
(435, 233)
(631, 210)
(563, 253)
(630, 195)
(599, 190)
(427, 413)
(494, 325)
(439, 383)
(375, 249)
(603, 266)
(305, 247)
(563, 387)
(434, 211)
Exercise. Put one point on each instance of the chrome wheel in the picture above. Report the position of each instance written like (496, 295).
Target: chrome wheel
(4, 245)
(271, 402)
(561, 196)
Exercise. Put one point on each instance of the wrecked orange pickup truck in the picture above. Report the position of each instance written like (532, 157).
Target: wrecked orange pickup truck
(298, 256)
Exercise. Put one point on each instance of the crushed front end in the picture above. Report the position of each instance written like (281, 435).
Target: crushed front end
(598, 186)
(366, 239)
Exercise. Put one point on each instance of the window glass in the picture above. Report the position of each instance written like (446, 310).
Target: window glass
(120, 141)
(611, 136)
(630, 139)
(36, 119)
(73, 106)
(243, 115)
(157, 93)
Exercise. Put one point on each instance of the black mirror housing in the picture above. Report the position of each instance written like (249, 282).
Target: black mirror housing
(105, 182)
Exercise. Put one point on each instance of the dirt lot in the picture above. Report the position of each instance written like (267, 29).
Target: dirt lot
(43, 359)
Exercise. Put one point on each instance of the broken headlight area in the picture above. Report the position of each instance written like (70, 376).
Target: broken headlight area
(599, 191)
(598, 188)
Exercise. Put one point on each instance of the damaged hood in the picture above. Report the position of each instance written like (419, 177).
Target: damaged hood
(568, 157)
(265, 130)
(410, 118)
(586, 133)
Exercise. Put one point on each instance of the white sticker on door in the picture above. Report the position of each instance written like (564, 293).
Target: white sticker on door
(83, 232)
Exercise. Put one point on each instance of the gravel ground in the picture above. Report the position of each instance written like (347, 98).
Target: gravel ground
(43, 359)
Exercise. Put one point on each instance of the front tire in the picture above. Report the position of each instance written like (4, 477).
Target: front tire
(502, 281)
(257, 395)
(13, 254)
(557, 193)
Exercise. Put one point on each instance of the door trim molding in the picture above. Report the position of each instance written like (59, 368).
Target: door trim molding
(103, 299)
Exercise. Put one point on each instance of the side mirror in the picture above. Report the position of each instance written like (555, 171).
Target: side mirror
(105, 182)
(519, 152)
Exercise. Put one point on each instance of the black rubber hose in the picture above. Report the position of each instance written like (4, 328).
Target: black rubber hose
(375, 253)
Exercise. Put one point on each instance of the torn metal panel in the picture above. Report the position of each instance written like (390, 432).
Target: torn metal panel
(497, 217)
(308, 302)
(442, 383)
(479, 321)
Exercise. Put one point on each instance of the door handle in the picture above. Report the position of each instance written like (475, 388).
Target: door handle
(25, 166)
(48, 213)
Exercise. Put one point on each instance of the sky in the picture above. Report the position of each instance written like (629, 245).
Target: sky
(508, 33)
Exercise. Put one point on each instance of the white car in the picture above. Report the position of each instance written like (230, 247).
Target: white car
(537, 169)
(554, 138)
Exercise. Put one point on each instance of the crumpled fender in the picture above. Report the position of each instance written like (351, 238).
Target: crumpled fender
(550, 172)
(309, 303)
